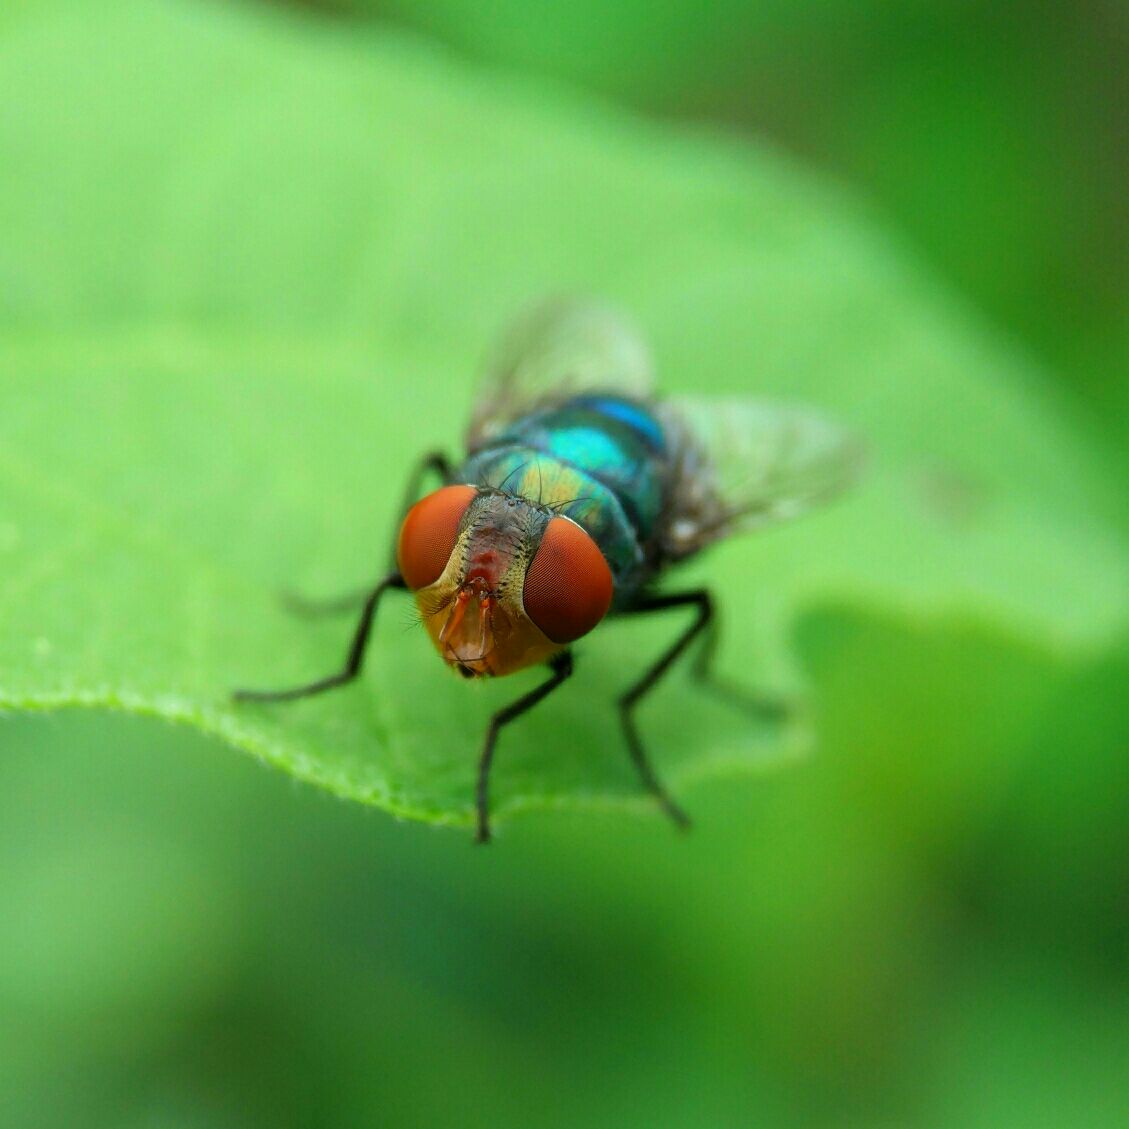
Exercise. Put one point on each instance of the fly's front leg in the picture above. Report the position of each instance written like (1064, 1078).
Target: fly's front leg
(353, 660)
(561, 666)
(435, 462)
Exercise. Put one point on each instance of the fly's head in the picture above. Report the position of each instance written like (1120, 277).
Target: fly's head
(500, 583)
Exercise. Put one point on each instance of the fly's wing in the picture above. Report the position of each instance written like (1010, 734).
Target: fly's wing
(558, 349)
(743, 463)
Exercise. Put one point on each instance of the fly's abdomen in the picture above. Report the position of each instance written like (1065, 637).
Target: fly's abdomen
(600, 460)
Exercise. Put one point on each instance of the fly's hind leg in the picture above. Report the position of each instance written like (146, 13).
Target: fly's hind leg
(305, 607)
(435, 462)
(765, 707)
(561, 666)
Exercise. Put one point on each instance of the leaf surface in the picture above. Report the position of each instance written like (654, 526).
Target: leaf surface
(249, 267)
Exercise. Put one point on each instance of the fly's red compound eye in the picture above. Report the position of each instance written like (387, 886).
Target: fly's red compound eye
(568, 586)
(429, 533)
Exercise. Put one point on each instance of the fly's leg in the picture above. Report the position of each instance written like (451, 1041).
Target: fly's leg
(435, 462)
(762, 706)
(353, 660)
(704, 622)
(561, 666)
(306, 608)
(700, 600)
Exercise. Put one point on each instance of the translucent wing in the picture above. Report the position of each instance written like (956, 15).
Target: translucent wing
(558, 349)
(745, 463)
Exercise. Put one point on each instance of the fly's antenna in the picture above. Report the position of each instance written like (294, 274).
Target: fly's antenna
(540, 484)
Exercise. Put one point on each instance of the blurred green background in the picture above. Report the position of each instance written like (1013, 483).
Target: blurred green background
(994, 135)
(927, 924)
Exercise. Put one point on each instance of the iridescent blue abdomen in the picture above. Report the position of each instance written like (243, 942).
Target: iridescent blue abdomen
(599, 459)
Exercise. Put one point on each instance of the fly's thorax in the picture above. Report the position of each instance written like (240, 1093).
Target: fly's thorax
(518, 582)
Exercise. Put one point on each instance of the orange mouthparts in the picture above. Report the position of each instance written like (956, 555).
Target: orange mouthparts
(482, 633)
(467, 637)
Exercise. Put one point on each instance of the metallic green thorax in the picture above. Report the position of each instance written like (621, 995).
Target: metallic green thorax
(600, 460)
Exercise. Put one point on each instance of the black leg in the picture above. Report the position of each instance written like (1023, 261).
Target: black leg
(307, 608)
(761, 706)
(702, 671)
(433, 462)
(701, 600)
(561, 666)
(353, 660)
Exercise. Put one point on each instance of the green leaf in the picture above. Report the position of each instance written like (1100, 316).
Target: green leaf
(249, 265)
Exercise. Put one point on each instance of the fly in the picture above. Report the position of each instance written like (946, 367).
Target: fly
(579, 490)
